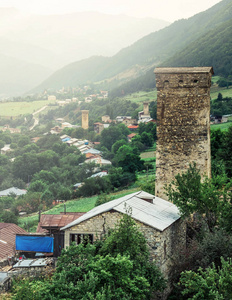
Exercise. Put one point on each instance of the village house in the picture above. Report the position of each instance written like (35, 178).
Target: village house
(98, 160)
(98, 127)
(50, 225)
(130, 136)
(13, 191)
(6, 149)
(8, 232)
(12, 130)
(56, 130)
(158, 219)
(106, 119)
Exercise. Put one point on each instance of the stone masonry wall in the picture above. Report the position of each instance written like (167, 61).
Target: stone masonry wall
(183, 119)
(161, 244)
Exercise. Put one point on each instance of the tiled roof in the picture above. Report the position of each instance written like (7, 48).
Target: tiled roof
(159, 214)
(7, 239)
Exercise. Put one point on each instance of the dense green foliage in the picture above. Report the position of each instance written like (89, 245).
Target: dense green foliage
(116, 268)
(207, 205)
(211, 283)
(221, 106)
(207, 198)
(211, 49)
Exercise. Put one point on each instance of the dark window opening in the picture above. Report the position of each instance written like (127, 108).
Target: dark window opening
(165, 249)
(81, 238)
(166, 83)
(180, 81)
(162, 111)
(195, 81)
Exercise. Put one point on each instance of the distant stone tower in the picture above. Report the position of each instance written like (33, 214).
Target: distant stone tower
(146, 108)
(85, 119)
(183, 119)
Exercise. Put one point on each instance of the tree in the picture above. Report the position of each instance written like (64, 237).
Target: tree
(23, 141)
(112, 134)
(207, 198)
(147, 139)
(226, 150)
(211, 283)
(118, 144)
(37, 186)
(48, 159)
(219, 98)
(64, 193)
(25, 166)
(9, 217)
(2, 143)
(118, 178)
(102, 272)
(129, 159)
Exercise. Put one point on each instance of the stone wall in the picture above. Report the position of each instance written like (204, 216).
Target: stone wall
(183, 119)
(161, 244)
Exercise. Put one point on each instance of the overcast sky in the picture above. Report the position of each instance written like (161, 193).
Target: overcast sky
(169, 10)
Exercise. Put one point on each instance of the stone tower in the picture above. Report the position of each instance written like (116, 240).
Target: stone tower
(85, 119)
(146, 108)
(183, 119)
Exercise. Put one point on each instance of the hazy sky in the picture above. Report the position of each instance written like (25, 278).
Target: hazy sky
(169, 10)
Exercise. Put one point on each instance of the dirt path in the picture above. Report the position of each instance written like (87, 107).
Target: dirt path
(36, 120)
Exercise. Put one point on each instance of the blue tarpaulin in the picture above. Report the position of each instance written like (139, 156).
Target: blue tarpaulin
(34, 243)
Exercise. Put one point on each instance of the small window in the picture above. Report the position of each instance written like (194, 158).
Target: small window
(162, 111)
(81, 238)
(166, 83)
(180, 81)
(165, 249)
(195, 81)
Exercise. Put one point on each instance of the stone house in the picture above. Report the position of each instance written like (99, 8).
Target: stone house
(158, 219)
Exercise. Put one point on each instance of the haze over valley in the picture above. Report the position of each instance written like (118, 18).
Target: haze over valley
(34, 46)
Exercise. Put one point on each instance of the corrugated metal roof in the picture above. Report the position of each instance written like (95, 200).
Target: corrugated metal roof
(41, 262)
(13, 190)
(56, 221)
(160, 214)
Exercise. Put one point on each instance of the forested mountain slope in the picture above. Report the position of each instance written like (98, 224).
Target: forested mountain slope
(213, 49)
(150, 51)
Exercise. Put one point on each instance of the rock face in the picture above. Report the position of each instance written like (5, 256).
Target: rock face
(183, 118)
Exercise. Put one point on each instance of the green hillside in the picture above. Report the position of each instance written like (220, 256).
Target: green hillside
(212, 49)
(150, 51)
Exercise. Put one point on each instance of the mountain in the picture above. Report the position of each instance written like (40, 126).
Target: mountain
(52, 41)
(72, 37)
(18, 76)
(212, 49)
(142, 56)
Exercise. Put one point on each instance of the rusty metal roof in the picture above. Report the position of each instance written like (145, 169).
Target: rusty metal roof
(159, 214)
(56, 221)
(8, 232)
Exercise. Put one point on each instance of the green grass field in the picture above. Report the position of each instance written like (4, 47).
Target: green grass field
(224, 91)
(8, 109)
(140, 97)
(29, 223)
(222, 126)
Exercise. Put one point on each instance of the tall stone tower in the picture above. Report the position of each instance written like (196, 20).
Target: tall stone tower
(85, 119)
(146, 108)
(183, 119)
